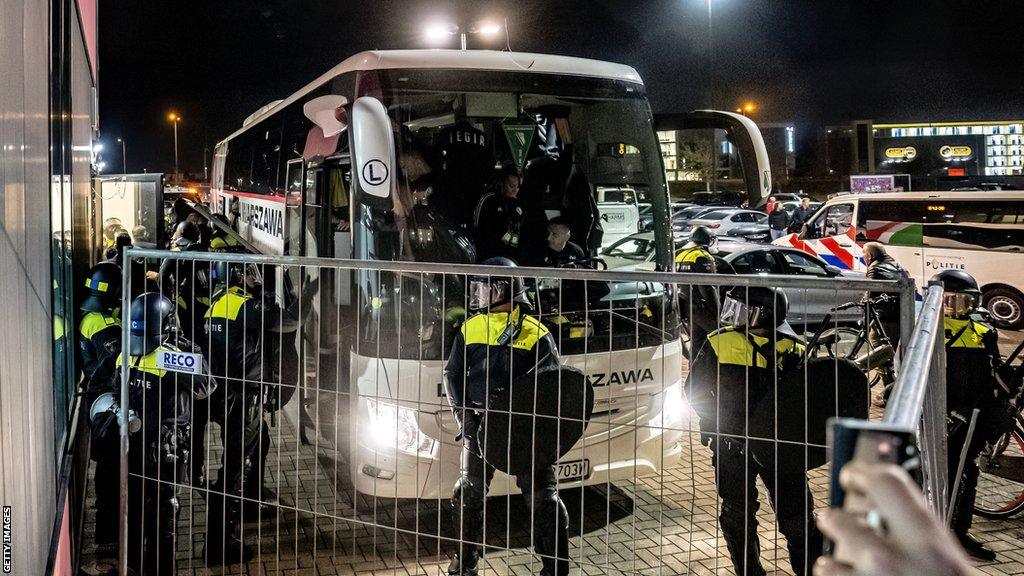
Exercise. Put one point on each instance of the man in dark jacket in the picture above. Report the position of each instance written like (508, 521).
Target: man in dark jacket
(497, 345)
(778, 221)
(882, 266)
(498, 218)
(801, 215)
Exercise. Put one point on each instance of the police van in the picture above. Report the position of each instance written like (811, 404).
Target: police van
(928, 232)
(325, 172)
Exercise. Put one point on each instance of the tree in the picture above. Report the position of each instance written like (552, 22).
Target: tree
(697, 156)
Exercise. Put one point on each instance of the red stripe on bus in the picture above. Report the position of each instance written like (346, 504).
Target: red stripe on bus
(272, 198)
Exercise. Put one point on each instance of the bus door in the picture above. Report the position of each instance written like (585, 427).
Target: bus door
(692, 144)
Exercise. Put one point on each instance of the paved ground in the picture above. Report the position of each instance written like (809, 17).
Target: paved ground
(655, 525)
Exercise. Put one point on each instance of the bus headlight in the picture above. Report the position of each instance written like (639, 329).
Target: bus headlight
(673, 406)
(393, 426)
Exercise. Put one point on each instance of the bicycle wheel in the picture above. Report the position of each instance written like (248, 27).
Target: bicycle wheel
(836, 342)
(1001, 483)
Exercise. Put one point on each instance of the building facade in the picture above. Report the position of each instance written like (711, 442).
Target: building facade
(940, 154)
(47, 122)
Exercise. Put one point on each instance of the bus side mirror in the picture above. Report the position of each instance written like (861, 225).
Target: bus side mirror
(373, 149)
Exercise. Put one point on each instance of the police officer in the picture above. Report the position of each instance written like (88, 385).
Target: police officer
(735, 371)
(242, 326)
(972, 353)
(158, 451)
(185, 282)
(494, 347)
(696, 254)
(698, 305)
(221, 241)
(100, 345)
(234, 325)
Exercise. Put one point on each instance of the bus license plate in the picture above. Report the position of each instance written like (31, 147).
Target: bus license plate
(573, 470)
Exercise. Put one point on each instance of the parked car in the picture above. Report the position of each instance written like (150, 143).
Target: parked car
(791, 205)
(636, 252)
(807, 307)
(787, 197)
(757, 233)
(681, 219)
(725, 219)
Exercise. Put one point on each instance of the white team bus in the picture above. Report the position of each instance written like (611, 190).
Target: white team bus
(979, 232)
(326, 172)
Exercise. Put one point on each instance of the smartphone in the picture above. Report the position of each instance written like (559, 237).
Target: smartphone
(851, 439)
(873, 442)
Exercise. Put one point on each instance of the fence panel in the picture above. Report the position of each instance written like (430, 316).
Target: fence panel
(331, 443)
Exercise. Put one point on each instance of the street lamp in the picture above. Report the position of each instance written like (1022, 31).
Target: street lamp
(174, 117)
(746, 109)
(124, 161)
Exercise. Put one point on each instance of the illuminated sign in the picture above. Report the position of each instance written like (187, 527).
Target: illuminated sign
(901, 153)
(956, 152)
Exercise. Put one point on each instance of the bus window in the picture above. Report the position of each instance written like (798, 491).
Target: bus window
(981, 225)
(294, 178)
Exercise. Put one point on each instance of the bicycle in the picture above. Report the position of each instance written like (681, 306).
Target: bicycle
(1001, 464)
(854, 344)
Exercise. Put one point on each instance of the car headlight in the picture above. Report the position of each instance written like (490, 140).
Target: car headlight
(393, 426)
(673, 406)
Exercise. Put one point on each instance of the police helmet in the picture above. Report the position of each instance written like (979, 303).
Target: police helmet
(102, 287)
(185, 234)
(150, 315)
(488, 291)
(962, 295)
(755, 307)
(701, 236)
(103, 415)
(227, 273)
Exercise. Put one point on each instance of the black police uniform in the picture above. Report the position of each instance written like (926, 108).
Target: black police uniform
(187, 284)
(972, 350)
(489, 352)
(498, 221)
(235, 326)
(100, 345)
(158, 453)
(732, 375)
(698, 305)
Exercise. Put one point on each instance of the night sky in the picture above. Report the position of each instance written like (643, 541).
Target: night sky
(804, 61)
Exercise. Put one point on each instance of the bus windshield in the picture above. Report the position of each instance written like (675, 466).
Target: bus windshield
(460, 134)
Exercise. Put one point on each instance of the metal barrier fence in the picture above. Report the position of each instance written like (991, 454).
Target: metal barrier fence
(330, 443)
(919, 400)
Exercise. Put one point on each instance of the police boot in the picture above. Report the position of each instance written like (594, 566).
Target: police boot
(551, 538)
(465, 563)
(742, 542)
(223, 548)
(976, 548)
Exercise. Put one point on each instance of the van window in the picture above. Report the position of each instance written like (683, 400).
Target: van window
(835, 220)
(944, 224)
